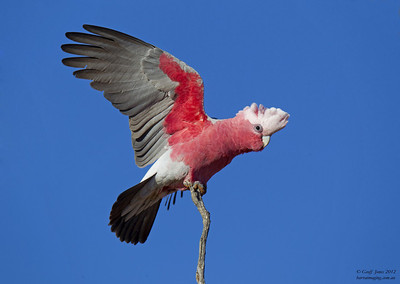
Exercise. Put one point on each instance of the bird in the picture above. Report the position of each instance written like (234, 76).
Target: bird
(163, 99)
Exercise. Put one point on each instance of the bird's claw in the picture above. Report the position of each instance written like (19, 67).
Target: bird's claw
(196, 185)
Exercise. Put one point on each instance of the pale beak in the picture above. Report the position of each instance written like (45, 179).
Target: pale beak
(266, 140)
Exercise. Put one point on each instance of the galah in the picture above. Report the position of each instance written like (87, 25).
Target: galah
(163, 98)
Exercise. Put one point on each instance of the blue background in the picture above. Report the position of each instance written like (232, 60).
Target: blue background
(318, 204)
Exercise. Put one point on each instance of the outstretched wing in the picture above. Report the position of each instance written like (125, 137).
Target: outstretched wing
(162, 96)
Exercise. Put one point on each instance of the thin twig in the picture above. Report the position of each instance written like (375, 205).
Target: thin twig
(198, 201)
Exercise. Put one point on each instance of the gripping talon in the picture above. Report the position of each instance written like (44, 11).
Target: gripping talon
(200, 187)
(187, 184)
(197, 185)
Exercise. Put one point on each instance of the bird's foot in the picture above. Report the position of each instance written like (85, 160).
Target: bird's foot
(196, 185)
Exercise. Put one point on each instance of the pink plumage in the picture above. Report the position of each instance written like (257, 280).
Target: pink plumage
(163, 98)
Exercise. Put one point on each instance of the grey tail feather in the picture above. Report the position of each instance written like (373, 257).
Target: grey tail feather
(137, 228)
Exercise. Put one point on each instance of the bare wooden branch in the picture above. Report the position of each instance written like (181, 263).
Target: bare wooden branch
(196, 190)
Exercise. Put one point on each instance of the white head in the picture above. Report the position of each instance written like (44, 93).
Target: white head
(265, 121)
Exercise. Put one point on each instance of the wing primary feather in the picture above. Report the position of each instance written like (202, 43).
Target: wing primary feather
(109, 33)
(81, 49)
(80, 62)
(90, 39)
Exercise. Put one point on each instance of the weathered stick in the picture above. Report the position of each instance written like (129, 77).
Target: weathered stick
(198, 201)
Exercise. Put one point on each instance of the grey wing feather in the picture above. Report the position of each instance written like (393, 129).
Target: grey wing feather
(127, 70)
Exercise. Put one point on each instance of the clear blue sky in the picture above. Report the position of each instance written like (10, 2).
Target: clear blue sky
(318, 204)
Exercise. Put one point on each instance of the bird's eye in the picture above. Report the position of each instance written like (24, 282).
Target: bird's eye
(258, 128)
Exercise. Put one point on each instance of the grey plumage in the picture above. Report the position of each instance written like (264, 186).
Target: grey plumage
(127, 70)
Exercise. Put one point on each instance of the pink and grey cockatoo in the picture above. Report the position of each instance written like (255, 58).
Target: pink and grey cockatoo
(163, 98)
